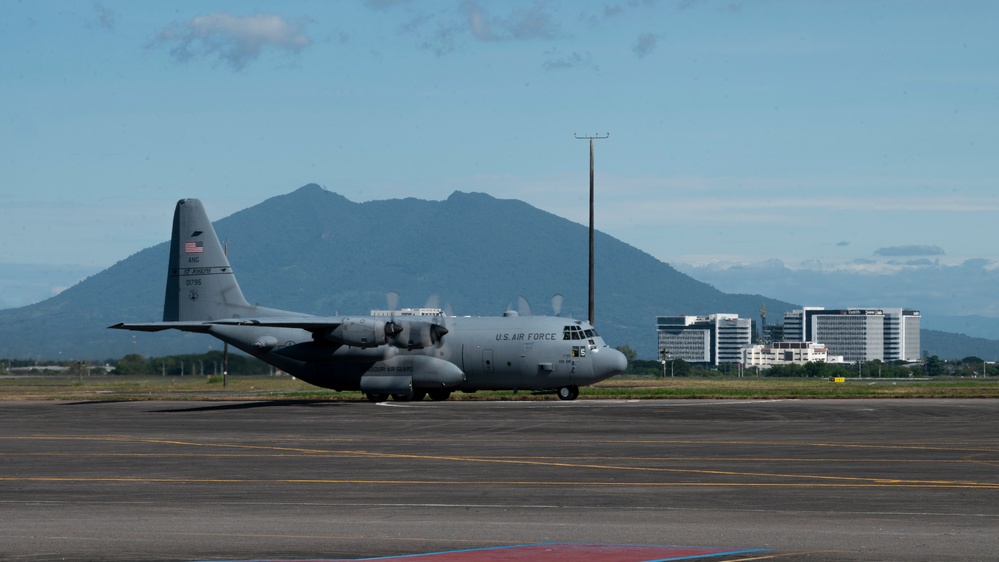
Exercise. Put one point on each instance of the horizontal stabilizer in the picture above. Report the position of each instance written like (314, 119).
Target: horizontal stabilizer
(200, 327)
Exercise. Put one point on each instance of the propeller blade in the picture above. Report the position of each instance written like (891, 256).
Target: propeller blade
(392, 300)
(523, 307)
(557, 304)
(433, 301)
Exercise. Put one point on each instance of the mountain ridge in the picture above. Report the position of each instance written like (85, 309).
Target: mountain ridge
(316, 252)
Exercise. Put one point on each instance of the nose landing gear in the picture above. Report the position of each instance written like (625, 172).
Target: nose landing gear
(568, 392)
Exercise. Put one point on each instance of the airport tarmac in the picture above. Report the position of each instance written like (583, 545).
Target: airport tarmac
(755, 480)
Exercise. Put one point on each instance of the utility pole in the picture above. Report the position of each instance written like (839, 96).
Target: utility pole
(225, 345)
(591, 139)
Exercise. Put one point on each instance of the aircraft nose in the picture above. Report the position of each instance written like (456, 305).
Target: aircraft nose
(608, 362)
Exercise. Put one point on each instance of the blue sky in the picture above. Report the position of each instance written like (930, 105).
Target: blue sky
(851, 133)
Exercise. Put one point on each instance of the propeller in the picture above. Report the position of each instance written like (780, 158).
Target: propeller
(523, 307)
(392, 328)
(557, 304)
(392, 300)
(416, 331)
(433, 301)
(437, 329)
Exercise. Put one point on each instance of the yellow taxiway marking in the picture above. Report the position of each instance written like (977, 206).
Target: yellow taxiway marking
(955, 446)
(823, 480)
(540, 458)
(153, 480)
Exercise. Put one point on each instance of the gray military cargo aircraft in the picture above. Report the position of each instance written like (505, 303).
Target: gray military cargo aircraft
(406, 357)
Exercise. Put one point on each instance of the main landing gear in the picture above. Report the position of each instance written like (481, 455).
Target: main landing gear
(568, 392)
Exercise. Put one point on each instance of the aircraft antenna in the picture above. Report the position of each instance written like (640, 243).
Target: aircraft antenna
(591, 139)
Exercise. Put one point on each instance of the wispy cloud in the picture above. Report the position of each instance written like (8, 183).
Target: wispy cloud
(558, 61)
(444, 40)
(909, 251)
(645, 45)
(234, 40)
(443, 32)
(105, 16)
(385, 4)
(522, 23)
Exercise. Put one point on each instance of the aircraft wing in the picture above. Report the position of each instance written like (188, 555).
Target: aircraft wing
(312, 324)
(309, 323)
(160, 326)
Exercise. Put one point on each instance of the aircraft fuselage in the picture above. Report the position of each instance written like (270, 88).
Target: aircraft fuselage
(478, 353)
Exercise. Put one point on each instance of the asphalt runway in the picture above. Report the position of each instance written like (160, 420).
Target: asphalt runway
(754, 480)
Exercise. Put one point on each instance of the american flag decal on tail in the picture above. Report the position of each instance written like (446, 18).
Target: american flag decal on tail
(193, 247)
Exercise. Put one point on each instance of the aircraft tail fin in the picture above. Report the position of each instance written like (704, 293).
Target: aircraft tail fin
(200, 282)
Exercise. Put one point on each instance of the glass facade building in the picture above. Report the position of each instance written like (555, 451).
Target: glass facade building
(713, 339)
(858, 334)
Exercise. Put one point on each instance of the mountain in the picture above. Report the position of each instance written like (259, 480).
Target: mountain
(316, 252)
(957, 346)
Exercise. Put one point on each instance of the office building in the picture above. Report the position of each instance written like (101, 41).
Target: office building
(858, 334)
(712, 339)
(787, 353)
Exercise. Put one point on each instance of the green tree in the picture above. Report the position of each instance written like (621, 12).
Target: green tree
(813, 369)
(935, 367)
(131, 364)
(680, 368)
(629, 354)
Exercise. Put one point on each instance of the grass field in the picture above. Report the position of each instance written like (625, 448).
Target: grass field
(106, 388)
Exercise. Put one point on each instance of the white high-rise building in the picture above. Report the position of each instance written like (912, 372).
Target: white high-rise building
(858, 334)
(902, 334)
(712, 339)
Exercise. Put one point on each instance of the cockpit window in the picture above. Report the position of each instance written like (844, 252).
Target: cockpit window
(591, 333)
(573, 333)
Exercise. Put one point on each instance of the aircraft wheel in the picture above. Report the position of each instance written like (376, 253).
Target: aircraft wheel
(419, 395)
(439, 395)
(568, 392)
(403, 397)
(372, 397)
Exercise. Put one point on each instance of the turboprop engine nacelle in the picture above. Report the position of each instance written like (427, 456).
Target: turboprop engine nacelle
(363, 332)
(418, 334)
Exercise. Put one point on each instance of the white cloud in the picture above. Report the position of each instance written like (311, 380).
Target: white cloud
(235, 40)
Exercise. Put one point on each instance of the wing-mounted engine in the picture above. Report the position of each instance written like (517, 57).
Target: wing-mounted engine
(364, 332)
(418, 334)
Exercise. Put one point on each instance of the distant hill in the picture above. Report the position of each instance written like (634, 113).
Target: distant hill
(316, 252)
(957, 346)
